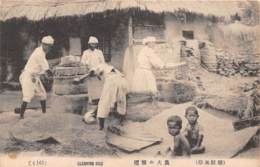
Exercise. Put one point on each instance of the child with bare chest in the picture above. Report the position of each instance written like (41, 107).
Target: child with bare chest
(193, 131)
(181, 145)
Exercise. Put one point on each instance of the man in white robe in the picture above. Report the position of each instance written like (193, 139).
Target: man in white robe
(30, 81)
(93, 57)
(143, 78)
(113, 94)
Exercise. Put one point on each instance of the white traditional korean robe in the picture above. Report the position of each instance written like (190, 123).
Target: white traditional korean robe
(92, 59)
(143, 79)
(30, 77)
(114, 91)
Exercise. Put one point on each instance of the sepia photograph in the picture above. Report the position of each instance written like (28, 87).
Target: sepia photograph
(129, 83)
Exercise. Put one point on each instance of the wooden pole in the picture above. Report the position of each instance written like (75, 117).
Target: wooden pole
(1, 52)
(131, 47)
(130, 36)
(185, 18)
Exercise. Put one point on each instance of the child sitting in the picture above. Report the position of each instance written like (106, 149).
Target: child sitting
(193, 131)
(181, 145)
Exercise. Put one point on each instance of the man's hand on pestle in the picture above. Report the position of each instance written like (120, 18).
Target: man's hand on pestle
(76, 80)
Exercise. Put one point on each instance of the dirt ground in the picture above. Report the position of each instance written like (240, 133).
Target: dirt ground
(212, 84)
(93, 139)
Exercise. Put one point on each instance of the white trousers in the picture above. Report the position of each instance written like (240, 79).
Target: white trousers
(115, 89)
(31, 86)
(95, 87)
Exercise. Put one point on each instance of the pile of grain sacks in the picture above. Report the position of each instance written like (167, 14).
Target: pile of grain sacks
(68, 96)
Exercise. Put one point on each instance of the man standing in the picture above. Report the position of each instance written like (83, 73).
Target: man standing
(30, 81)
(93, 57)
(143, 79)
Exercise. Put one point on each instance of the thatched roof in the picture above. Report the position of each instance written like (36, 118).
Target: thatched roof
(41, 9)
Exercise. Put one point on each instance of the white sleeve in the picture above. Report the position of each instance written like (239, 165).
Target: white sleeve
(84, 58)
(155, 60)
(32, 59)
(42, 62)
(45, 65)
(101, 57)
